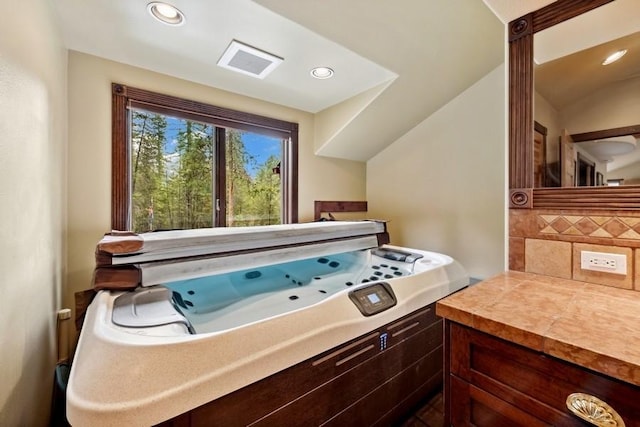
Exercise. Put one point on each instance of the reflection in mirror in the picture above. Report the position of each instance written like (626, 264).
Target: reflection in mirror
(590, 102)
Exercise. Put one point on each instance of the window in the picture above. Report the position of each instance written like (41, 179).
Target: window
(182, 164)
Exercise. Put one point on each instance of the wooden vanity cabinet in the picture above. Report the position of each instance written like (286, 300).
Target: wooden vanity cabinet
(493, 382)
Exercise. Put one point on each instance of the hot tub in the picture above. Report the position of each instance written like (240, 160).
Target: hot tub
(160, 350)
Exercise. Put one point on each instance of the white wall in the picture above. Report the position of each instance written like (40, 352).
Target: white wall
(89, 208)
(442, 185)
(32, 196)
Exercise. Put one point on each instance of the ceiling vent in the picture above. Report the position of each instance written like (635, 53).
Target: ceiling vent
(248, 60)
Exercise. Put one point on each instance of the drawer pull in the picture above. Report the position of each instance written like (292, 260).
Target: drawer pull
(593, 410)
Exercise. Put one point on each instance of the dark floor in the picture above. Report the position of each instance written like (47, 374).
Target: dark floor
(431, 414)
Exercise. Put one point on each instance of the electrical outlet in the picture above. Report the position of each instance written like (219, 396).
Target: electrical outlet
(603, 261)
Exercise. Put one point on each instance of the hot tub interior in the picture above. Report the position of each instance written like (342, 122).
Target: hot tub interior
(223, 301)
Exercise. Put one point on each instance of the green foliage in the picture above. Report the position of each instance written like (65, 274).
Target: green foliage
(148, 166)
(176, 189)
(266, 193)
(194, 180)
(250, 201)
(238, 179)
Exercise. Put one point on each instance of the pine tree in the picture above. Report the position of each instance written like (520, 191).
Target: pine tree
(148, 165)
(194, 176)
(238, 179)
(266, 193)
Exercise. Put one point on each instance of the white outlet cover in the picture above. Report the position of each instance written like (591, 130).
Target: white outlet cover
(604, 261)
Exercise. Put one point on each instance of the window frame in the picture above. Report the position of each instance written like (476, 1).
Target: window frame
(124, 97)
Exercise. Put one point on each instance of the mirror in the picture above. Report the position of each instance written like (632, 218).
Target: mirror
(522, 149)
(599, 105)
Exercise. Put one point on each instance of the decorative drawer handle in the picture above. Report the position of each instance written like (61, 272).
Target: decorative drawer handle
(593, 410)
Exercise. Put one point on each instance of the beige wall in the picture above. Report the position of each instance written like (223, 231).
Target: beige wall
(548, 117)
(442, 185)
(331, 121)
(89, 208)
(32, 196)
(614, 106)
(617, 105)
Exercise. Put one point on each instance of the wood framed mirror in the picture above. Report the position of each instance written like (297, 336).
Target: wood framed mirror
(523, 191)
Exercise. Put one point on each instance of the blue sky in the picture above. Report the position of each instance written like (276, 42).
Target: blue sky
(258, 146)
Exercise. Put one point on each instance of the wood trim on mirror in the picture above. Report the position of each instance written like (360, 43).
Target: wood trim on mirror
(521, 32)
(625, 198)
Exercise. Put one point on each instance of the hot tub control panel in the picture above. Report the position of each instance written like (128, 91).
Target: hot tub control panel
(373, 299)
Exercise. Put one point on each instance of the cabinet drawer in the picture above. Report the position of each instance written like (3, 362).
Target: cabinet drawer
(536, 383)
(473, 406)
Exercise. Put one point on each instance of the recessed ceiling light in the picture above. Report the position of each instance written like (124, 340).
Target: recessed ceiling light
(165, 13)
(614, 57)
(322, 72)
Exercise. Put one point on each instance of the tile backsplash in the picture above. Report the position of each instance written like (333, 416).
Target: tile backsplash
(548, 257)
(591, 226)
(550, 243)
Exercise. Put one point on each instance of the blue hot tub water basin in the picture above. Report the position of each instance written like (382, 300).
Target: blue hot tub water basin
(224, 301)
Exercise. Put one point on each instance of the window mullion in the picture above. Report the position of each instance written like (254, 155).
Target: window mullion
(220, 178)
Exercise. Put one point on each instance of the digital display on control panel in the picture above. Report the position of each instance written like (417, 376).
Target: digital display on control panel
(373, 299)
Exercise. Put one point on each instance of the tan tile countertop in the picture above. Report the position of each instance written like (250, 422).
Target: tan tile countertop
(594, 326)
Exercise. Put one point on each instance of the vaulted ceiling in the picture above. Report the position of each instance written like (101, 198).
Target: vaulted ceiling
(395, 63)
